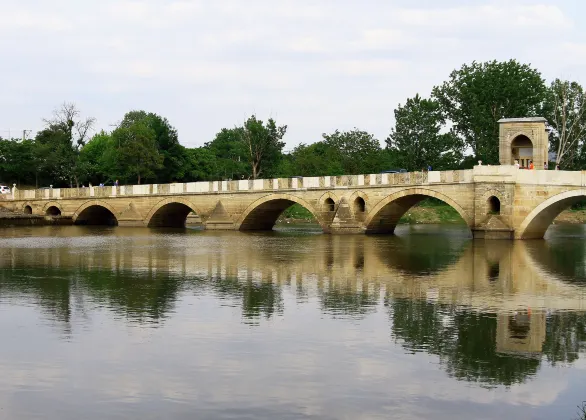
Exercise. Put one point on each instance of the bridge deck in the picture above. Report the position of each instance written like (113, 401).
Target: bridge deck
(478, 174)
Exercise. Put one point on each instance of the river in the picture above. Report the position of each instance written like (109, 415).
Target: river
(138, 323)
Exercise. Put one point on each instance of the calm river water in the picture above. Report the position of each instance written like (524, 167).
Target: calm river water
(157, 324)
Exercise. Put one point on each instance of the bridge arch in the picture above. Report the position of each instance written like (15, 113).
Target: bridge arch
(493, 202)
(170, 212)
(383, 218)
(27, 208)
(52, 208)
(359, 204)
(538, 221)
(95, 212)
(328, 201)
(264, 212)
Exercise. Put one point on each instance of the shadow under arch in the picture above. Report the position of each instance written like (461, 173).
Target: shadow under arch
(171, 212)
(385, 216)
(52, 208)
(97, 213)
(539, 220)
(264, 212)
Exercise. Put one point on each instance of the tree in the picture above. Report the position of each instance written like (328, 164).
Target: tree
(136, 152)
(230, 154)
(566, 113)
(357, 151)
(201, 164)
(17, 161)
(476, 96)
(417, 139)
(167, 143)
(70, 134)
(263, 144)
(54, 156)
(98, 158)
(316, 159)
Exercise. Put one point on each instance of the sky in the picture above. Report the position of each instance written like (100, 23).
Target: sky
(314, 65)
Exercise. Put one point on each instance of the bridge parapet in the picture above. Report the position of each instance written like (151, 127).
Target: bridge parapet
(252, 185)
(509, 173)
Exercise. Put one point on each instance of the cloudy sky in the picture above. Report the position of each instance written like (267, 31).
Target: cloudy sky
(314, 65)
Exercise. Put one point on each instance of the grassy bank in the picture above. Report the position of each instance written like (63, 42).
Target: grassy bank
(297, 214)
(431, 211)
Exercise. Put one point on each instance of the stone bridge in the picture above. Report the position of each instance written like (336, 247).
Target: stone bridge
(494, 201)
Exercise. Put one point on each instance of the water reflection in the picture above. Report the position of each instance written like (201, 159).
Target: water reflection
(491, 312)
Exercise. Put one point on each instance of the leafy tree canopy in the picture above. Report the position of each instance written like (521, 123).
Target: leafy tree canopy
(417, 140)
(476, 96)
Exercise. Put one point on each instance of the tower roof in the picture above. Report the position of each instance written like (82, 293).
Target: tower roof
(522, 120)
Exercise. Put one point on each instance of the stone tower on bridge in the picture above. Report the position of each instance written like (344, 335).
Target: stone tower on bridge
(524, 140)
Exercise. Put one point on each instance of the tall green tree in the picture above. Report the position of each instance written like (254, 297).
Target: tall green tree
(357, 151)
(263, 144)
(64, 136)
(229, 154)
(566, 113)
(201, 164)
(98, 158)
(54, 156)
(167, 143)
(314, 160)
(417, 139)
(476, 96)
(17, 163)
(136, 152)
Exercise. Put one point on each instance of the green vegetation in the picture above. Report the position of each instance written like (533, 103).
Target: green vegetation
(297, 212)
(452, 128)
(428, 211)
(476, 96)
(431, 211)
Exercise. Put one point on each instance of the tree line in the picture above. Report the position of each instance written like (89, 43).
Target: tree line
(452, 127)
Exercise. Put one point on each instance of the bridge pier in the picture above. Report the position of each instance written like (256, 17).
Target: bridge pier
(344, 221)
(493, 234)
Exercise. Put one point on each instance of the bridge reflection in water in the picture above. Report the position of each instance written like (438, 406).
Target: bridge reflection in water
(491, 311)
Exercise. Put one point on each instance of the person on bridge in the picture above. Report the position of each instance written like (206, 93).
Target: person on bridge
(531, 166)
(517, 164)
(116, 183)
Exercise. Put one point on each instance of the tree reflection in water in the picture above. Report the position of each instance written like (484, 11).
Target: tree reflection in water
(465, 341)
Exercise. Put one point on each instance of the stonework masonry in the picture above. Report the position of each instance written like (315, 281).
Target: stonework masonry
(531, 133)
(494, 201)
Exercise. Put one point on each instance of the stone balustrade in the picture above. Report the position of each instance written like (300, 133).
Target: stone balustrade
(248, 185)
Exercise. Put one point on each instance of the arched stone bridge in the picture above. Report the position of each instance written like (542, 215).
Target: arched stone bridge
(494, 201)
